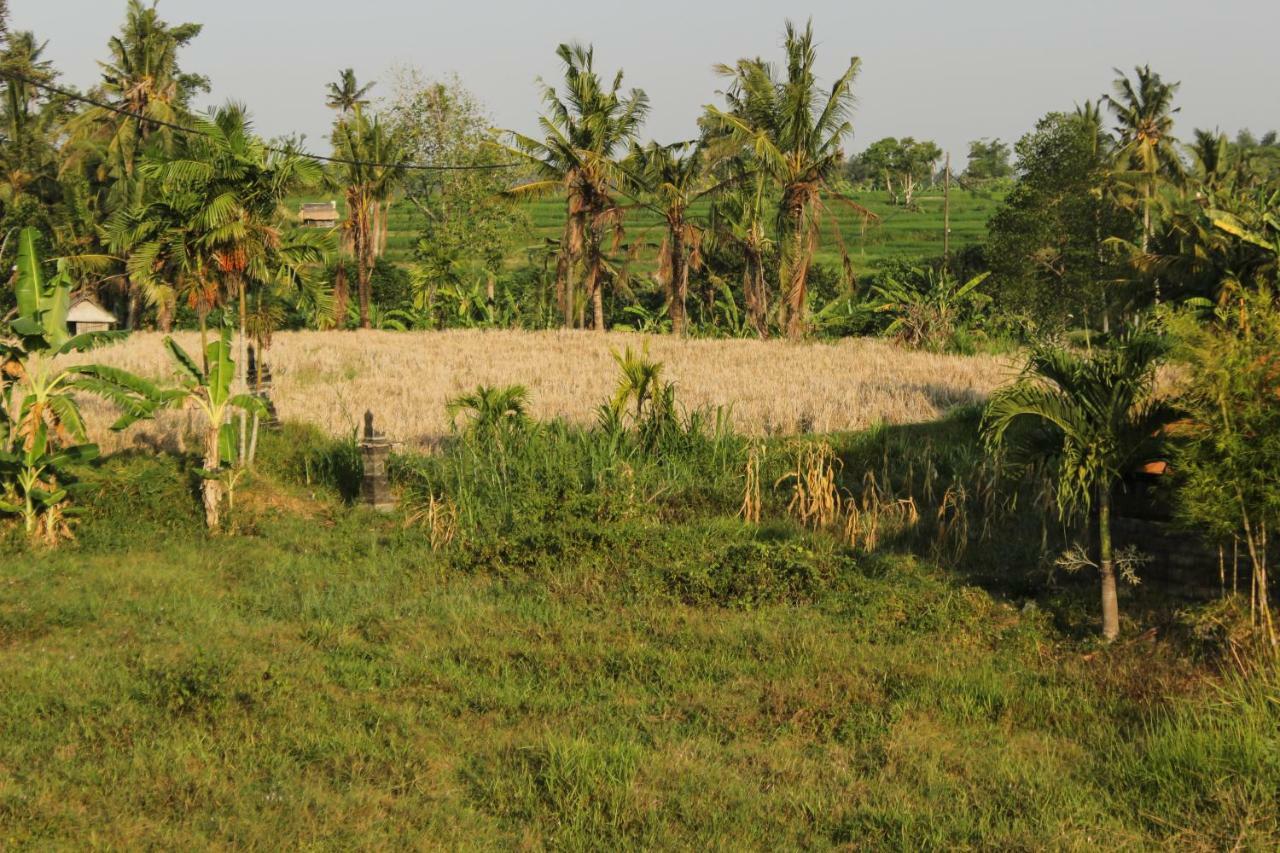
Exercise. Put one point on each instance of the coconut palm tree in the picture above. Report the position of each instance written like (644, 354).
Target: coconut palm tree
(1098, 416)
(672, 178)
(584, 129)
(1144, 112)
(793, 132)
(1211, 157)
(23, 55)
(141, 79)
(143, 92)
(369, 177)
(346, 95)
(28, 156)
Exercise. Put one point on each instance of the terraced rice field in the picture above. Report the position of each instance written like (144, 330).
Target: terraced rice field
(900, 233)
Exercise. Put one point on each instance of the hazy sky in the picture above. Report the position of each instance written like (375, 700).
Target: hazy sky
(946, 70)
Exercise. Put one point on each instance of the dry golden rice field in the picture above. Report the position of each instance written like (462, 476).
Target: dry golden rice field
(770, 387)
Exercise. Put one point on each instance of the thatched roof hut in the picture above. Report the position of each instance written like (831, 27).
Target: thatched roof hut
(319, 214)
(86, 315)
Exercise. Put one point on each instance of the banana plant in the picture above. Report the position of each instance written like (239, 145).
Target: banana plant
(648, 321)
(925, 311)
(34, 492)
(725, 314)
(41, 427)
(208, 390)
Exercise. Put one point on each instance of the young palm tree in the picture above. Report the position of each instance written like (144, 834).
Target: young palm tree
(491, 409)
(347, 95)
(673, 177)
(639, 383)
(374, 171)
(1098, 416)
(584, 129)
(1144, 112)
(794, 133)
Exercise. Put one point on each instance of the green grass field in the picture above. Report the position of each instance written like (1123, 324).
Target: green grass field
(900, 233)
(606, 658)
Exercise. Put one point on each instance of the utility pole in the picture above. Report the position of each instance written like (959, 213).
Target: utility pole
(946, 215)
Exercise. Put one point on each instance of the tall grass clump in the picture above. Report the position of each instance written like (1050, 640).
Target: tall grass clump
(306, 455)
(1216, 763)
(501, 473)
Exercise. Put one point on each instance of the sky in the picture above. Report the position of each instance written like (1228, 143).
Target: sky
(948, 71)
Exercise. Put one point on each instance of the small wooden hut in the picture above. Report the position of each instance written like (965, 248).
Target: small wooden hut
(86, 315)
(322, 214)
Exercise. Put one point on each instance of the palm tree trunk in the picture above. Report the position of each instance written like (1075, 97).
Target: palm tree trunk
(243, 370)
(1110, 603)
(564, 286)
(131, 319)
(341, 293)
(1146, 234)
(164, 315)
(597, 302)
(595, 292)
(1098, 262)
(570, 250)
(203, 314)
(797, 280)
(678, 289)
(364, 261)
(754, 292)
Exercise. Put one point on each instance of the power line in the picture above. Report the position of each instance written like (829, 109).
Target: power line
(342, 161)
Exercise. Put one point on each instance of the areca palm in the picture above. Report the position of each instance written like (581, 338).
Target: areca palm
(1098, 417)
(371, 174)
(793, 132)
(672, 178)
(584, 129)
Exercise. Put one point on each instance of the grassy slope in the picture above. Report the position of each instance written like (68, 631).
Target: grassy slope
(901, 233)
(667, 677)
